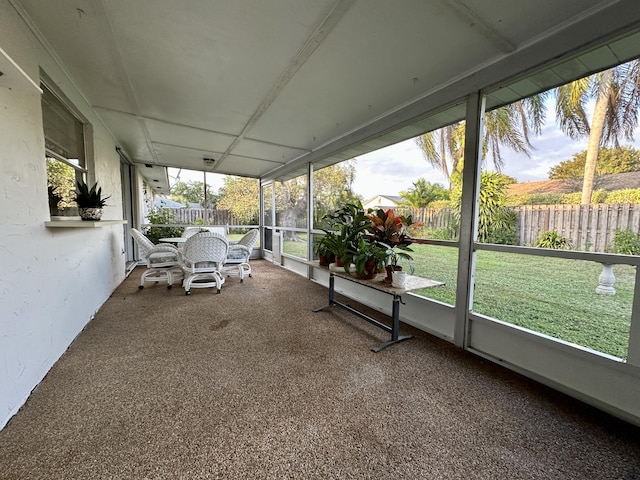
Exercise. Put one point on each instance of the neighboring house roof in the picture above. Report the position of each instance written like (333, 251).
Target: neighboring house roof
(382, 201)
(162, 202)
(618, 181)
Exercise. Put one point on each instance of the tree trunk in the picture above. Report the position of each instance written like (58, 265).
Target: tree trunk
(595, 136)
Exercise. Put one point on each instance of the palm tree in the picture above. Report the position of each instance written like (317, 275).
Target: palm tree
(423, 193)
(617, 97)
(505, 126)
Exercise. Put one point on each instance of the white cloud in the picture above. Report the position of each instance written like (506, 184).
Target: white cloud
(392, 169)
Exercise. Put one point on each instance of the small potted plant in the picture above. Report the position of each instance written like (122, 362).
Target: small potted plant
(368, 257)
(322, 249)
(90, 201)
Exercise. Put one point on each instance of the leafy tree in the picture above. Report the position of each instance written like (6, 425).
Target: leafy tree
(61, 179)
(610, 160)
(333, 188)
(423, 193)
(193, 192)
(240, 195)
(291, 205)
(507, 126)
(616, 92)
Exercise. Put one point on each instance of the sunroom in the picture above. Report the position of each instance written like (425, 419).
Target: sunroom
(276, 91)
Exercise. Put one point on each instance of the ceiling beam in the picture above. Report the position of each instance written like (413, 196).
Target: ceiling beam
(320, 33)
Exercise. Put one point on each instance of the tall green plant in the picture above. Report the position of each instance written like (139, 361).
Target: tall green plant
(496, 223)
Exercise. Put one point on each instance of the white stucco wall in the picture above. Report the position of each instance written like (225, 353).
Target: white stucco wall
(53, 280)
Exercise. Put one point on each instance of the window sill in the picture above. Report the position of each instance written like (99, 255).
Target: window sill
(82, 223)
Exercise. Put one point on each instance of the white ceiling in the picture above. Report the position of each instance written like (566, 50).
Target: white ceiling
(264, 86)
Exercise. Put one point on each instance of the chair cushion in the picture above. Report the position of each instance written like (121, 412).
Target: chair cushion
(236, 255)
(170, 258)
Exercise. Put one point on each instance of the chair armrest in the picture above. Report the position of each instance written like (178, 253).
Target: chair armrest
(164, 251)
(163, 248)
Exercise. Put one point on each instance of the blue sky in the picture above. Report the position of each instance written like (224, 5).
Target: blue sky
(395, 168)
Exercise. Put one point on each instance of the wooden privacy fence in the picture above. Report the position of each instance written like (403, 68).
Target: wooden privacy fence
(208, 216)
(433, 218)
(589, 227)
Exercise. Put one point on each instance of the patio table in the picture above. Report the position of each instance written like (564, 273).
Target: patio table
(413, 283)
(173, 240)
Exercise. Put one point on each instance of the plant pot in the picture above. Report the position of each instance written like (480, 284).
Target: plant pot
(324, 261)
(370, 271)
(90, 214)
(390, 269)
(399, 279)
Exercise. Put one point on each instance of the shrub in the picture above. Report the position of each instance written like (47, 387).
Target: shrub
(598, 196)
(503, 228)
(439, 234)
(161, 217)
(552, 239)
(626, 242)
(535, 199)
(629, 195)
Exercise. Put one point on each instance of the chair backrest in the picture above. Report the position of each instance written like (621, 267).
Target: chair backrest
(206, 247)
(249, 239)
(190, 231)
(144, 244)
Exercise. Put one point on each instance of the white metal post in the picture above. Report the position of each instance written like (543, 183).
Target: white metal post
(468, 216)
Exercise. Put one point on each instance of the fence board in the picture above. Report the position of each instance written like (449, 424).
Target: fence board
(589, 227)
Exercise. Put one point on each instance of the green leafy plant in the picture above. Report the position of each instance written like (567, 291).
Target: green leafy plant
(395, 256)
(161, 217)
(552, 239)
(626, 242)
(321, 248)
(346, 225)
(368, 257)
(390, 228)
(89, 197)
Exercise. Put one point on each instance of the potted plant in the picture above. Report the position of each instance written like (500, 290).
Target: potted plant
(323, 251)
(391, 229)
(90, 201)
(338, 243)
(347, 225)
(368, 257)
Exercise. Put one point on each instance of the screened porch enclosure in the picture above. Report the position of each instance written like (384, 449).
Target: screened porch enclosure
(276, 94)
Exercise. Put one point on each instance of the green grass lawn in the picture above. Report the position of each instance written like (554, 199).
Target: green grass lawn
(548, 295)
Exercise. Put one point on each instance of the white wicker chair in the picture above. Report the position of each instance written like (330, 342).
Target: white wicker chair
(237, 262)
(203, 257)
(163, 262)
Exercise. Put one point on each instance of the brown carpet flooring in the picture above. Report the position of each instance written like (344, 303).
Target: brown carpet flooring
(250, 384)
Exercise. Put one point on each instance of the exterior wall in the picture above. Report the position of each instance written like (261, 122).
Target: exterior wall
(380, 201)
(53, 280)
